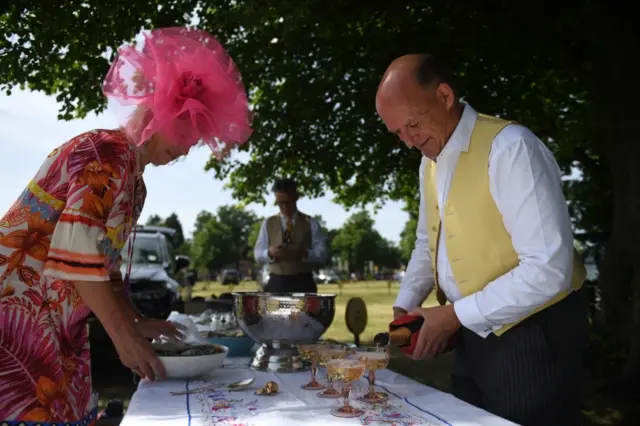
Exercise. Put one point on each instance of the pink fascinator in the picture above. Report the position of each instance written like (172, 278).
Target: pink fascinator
(182, 84)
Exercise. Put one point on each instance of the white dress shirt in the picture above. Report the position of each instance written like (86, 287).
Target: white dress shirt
(525, 182)
(317, 252)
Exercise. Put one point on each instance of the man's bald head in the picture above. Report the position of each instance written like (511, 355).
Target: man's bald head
(410, 73)
(417, 101)
(400, 77)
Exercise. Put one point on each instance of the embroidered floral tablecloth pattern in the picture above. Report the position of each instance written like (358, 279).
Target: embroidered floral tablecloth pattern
(226, 408)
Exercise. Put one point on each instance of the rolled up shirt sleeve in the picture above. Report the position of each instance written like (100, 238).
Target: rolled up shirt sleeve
(261, 249)
(75, 252)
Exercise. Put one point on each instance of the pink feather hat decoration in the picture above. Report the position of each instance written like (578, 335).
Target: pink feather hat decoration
(183, 85)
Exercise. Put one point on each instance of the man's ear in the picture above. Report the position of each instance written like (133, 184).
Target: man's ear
(444, 93)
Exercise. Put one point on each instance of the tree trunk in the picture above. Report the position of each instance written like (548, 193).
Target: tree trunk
(620, 277)
(614, 281)
(617, 94)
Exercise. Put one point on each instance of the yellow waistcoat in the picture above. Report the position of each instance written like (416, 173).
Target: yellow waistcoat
(478, 245)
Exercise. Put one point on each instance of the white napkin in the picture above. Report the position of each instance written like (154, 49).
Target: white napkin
(191, 335)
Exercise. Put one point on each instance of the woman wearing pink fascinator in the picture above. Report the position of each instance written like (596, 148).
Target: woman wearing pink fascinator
(61, 240)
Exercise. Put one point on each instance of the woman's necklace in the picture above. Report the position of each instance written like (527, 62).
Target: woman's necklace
(131, 231)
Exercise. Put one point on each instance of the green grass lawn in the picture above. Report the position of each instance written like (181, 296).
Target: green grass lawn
(377, 296)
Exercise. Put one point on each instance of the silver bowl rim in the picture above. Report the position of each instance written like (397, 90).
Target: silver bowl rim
(285, 296)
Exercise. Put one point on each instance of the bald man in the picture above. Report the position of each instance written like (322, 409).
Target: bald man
(494, 240)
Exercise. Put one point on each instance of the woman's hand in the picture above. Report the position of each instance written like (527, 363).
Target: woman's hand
(136, 353)
(154, 328)
(134, 350)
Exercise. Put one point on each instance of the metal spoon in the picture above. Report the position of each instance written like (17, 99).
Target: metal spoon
(236, 386)
(241, 385)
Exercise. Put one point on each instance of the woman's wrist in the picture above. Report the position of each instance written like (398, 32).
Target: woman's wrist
(120, 327)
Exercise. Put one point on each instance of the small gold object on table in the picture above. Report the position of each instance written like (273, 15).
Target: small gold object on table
(271, 388)
(327, 353)
(309, 352)
(346, 371)
(375, 358)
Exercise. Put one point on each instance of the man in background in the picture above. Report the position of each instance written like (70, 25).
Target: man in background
(291, 243)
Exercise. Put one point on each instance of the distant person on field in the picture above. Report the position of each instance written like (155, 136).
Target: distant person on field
(291, 243)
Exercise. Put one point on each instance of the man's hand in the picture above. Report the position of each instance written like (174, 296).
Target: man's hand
(290, 254)
(286, 253)
(398, 312)
(275, 253)
(303, 253)
(295, 254)
(440, 323)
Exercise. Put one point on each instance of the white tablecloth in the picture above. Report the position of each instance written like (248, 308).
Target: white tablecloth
(410, 403)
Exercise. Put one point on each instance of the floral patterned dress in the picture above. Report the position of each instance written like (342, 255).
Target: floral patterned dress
(69, 224)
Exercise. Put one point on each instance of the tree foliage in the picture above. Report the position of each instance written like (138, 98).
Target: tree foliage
(330, 234)
(155, 220)
(408, 239)
(174, 223)
(357, 243)
(181, 244)
(313, 72)
(230, 235)
(565, 71)
(253, 236)
(222, 239)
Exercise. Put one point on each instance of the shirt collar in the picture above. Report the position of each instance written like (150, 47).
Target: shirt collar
(293, 217)
(461, 136)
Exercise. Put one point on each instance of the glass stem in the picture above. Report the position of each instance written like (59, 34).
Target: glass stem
(346, 392)
(330, 380)
(314, 371)
(372, 382)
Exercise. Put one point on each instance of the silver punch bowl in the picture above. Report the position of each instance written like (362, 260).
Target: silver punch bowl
(279, 322)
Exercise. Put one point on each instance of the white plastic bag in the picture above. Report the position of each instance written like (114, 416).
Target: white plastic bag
(191, 335)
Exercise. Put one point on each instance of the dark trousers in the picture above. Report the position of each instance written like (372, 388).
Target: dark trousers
(298, 283)
(532, 374)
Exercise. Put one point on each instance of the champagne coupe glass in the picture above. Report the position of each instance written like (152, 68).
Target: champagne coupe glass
(375, 358)
(327, 353)
(346, 371)
(309, 352)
